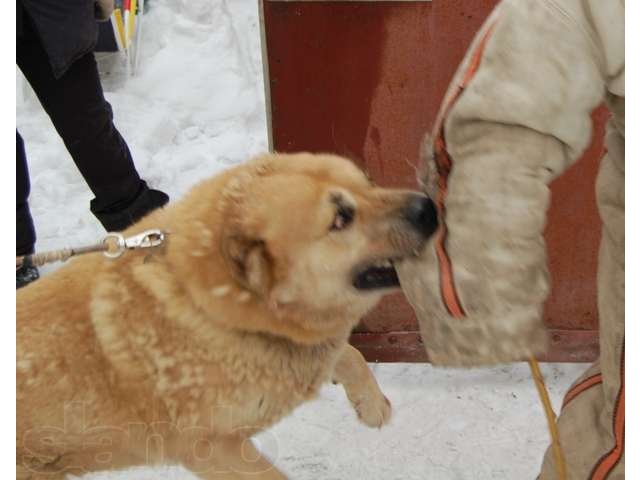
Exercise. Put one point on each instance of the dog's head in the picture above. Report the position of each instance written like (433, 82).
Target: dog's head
(312, 232)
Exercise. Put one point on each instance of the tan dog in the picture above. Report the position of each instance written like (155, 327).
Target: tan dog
(180, 353)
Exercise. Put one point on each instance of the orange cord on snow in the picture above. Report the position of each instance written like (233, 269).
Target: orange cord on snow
(551, 419)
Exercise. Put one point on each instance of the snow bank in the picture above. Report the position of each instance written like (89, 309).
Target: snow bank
(195, 107)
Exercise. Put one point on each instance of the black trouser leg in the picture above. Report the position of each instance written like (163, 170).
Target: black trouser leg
(83, 118)
(25, 232)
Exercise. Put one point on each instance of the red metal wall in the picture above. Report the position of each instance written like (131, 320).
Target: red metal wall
(365, 80)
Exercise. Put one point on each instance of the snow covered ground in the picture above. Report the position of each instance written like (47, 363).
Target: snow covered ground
(197, 107)
(481, 424)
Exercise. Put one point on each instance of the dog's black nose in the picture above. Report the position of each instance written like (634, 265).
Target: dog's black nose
(421, 213)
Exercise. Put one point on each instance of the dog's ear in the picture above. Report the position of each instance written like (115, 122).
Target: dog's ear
(249, 262)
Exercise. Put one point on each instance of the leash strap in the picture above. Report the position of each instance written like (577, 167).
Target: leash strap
(561, 469)
(112, 246)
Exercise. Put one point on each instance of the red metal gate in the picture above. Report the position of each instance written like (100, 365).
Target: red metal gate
(365, 79)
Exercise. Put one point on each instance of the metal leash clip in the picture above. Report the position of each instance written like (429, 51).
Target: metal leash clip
(116, 244)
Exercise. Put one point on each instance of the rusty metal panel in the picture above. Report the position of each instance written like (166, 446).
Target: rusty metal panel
(406, 346)
(365, 79)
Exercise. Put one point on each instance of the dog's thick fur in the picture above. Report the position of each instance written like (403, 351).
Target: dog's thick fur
(178, 354)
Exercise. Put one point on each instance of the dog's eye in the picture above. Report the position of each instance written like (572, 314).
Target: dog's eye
(344, 218)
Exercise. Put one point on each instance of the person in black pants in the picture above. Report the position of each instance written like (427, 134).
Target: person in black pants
(54, 50)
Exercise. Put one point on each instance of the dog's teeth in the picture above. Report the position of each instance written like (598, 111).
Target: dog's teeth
(383, 264)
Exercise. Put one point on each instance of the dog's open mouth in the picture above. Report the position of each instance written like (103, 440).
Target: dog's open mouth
(375, 275)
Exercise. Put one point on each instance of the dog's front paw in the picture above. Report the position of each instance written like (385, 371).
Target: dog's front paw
(374, 410)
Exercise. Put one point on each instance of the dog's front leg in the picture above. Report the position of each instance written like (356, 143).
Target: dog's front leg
(369, 402)
(230, 458)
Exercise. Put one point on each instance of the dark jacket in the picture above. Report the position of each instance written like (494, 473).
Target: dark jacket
(67, 28)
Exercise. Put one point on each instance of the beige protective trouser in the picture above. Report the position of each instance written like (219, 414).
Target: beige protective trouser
(516, 116)
(591, 423)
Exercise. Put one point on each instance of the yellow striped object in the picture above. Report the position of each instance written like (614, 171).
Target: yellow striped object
(120, 24)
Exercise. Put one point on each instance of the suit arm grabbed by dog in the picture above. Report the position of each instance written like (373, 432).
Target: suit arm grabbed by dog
(516, 115)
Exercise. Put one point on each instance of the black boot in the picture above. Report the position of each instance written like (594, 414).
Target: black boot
(124, 214)
(26, 274)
